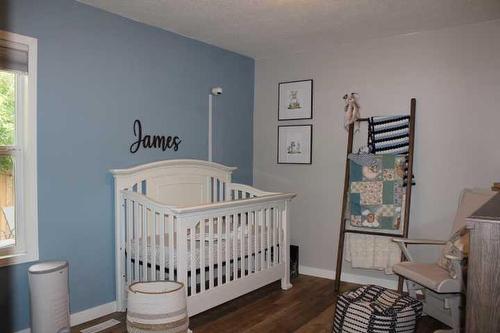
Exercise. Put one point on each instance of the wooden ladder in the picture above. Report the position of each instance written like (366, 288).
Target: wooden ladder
(409, 179)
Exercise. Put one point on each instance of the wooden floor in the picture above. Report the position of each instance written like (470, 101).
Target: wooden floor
(307, 307)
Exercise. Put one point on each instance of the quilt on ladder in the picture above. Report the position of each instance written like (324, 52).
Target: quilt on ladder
(376, 193)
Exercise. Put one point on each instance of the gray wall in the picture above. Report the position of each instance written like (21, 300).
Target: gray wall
(97, 73)
(454, 75)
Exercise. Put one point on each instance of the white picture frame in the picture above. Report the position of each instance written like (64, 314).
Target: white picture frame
(295, 100)
(294, 144)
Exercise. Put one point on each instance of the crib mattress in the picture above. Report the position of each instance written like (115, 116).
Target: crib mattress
(239, 253)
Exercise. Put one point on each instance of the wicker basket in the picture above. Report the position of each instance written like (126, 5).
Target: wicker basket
(158, 306)
(371, 309)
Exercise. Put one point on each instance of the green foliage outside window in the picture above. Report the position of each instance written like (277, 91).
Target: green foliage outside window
(7, 116)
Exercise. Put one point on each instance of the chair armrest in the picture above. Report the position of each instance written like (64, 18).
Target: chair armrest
(419, 241)
(402, 242)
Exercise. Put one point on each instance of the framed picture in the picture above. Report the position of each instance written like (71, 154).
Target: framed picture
(295, 100)
(295, 144)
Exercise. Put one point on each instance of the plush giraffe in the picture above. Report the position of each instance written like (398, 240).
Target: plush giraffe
(351, 108)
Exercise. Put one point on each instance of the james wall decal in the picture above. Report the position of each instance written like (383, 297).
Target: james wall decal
(152, 141)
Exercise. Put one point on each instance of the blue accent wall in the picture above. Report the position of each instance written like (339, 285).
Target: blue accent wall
(97, 73)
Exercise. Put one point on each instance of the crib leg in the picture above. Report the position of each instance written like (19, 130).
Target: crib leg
(285, 280)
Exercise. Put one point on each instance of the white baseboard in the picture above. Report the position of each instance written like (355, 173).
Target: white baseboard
(348, 277)
(92, 313)
(84, 316)
(26, 330)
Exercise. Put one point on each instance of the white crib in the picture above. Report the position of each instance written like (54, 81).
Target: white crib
(184, 220)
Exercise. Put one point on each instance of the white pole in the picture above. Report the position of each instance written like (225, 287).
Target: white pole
(210, 127)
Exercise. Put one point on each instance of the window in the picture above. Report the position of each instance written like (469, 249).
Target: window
(18, 190)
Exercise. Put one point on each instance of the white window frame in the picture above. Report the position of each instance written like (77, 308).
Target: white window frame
(25, 167)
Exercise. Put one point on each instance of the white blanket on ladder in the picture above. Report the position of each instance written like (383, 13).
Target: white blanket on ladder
(371, 252)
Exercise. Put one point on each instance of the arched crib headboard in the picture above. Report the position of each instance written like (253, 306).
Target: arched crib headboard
(178, 183)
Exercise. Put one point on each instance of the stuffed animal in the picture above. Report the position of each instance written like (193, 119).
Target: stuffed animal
(351, 108)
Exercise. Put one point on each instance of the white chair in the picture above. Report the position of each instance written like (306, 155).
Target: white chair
(442, 293)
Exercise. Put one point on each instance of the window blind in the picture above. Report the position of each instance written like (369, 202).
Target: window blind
(13, 56)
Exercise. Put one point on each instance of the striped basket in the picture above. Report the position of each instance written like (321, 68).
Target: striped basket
(374, 309)
(158, 307)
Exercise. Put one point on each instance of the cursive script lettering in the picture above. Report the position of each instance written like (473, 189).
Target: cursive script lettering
(152, 141)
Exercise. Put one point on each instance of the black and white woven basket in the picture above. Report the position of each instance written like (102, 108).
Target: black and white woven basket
(374, 309)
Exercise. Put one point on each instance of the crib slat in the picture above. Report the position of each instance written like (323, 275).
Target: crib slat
(249, 242)
(221, 191)
(214, 190)
(153, 233)
(272, 223)
(243, 220)
(209, 189)
(210, 253)
(235, 247)
(192, 267)
(255, 239)
(268, 233)
(227, 241)
(280, 235)
(137, 238)
(219, 250)
(278, 231)
(275, 224)
(266, 237)
(262, 238)
(171, 248)
(202, 255)
(161, 230)
(144, 243)
(130, 217)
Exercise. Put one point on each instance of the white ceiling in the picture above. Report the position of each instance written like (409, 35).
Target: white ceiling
(269, 28)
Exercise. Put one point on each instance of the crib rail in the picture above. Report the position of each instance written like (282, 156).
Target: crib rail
(242, 191)
(207, 247)
(229, 243)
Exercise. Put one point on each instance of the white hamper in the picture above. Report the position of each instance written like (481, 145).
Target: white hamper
(49, 297)
(157, 306)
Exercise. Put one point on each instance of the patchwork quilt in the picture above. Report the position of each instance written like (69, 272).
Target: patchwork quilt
(377, 193)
